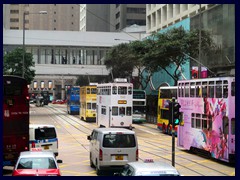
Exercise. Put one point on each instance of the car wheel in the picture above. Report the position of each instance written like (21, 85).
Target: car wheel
(98, 172)
(91, 162)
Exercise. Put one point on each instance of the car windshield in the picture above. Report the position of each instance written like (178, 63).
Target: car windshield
(37, 163)
(119, 140)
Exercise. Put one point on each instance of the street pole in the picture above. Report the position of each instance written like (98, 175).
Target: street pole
(173, 134)
(200, 41)
(23, 60)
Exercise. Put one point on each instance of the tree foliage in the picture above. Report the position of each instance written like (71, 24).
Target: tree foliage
(161, 51)
(13, 64)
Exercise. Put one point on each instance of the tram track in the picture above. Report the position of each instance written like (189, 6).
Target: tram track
(83, 127)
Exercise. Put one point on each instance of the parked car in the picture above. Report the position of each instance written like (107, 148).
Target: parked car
(112, 148)
(58, 101)
(36, 163)
(148, 168)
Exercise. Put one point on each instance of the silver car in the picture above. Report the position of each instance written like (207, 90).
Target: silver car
(148, 168)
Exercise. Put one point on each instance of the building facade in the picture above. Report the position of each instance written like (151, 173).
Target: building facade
(62, 17)
(160, 16)
(125, 15)
(95, 17)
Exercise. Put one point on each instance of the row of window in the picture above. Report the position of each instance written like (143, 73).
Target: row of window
(203, 121)
(118, 111)
(122, 90)
(211, 89)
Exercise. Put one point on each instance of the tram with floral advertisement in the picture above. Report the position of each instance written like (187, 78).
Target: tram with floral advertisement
(208, 117)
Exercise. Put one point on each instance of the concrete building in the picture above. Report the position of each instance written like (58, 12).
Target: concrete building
(61, 56)
(62, 17)
(160, 16)
(124, 15)
(95, 17)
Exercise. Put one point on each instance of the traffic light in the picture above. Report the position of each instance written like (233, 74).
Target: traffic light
(176, 114)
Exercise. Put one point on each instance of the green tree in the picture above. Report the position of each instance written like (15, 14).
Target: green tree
(169, 49)
(13, 64)
(119, 61)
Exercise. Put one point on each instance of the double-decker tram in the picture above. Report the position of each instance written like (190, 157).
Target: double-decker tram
(165, 95)
(88, 99)
(15, 118)
(114, 104)
(73, 100)
(208, 107)
(139, 106)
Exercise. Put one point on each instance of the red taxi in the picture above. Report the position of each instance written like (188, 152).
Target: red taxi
(36, 163)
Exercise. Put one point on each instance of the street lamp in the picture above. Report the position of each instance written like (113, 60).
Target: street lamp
(24, 17)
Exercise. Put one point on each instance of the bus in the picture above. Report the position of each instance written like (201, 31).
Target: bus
(15, 118)
(139, 106)
(165, 95)
(88, 100)
(208, 122)
(73, 99)
(114, 104)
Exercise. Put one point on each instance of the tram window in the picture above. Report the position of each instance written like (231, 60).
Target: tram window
(93, 105)
(122, 90)
(198, 121)
(211, 89)
(88, 90)
(209, 123)
(192, 122)
(198, 90)
(103, 110)
(192, 90)
(219, 89)
(233, 89)
(115, 111)
(121, 111)
(204, 124)
(114, 89)
(164, 114)
(129, 111)
(93, 91)
(187, 90)
(88, 105)
(225, 125)
(233, 126)
(129, 90)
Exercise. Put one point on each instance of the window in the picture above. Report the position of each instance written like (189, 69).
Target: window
(130, 90)
(93, 90)
(122, 111)
(233, 126)
(187, 90)
(219, 89)
(115, 111)
(114, 89)
(45, 133)
(233, 89)
(129, 111)
(122, 90)
(103, 110)
(119, 140)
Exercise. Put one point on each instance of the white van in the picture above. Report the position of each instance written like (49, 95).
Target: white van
(44, 137)
(112, 148)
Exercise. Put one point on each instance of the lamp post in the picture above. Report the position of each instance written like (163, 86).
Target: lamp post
(24, 17)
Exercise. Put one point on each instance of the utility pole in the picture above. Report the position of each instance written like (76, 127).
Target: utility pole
(200, 41)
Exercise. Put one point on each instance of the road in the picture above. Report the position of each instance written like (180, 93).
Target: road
(74, 146)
